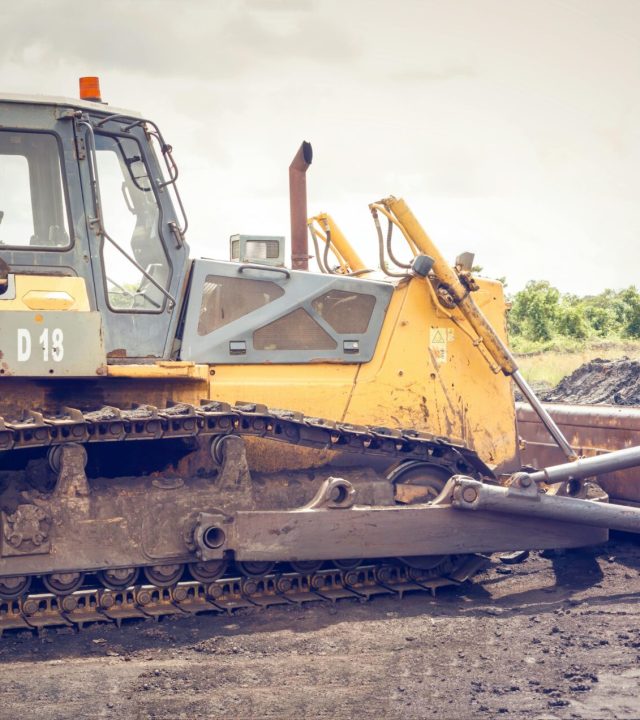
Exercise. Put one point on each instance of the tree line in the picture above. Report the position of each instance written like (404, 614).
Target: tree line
(540, 313)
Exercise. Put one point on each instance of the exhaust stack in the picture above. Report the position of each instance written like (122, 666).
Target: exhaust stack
(298, 206)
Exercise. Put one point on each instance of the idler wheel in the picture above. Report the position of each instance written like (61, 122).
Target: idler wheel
(206, 572)
(418, 482)
(424, 567)
(163, 575)
(347, 563)
(63, 583)
(119, 578)
(14, 586)
(306, 566)
(255, 569)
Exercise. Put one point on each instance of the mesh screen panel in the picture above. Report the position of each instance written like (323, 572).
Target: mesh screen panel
(346, 312)
(226, 299)
(295, 331)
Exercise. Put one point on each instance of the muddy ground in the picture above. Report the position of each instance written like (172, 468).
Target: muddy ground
(550, 638)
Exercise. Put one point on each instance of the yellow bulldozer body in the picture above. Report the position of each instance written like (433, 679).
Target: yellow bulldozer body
(177, 430)
(425, 374)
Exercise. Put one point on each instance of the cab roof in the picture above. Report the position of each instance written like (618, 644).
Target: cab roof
(52, 100)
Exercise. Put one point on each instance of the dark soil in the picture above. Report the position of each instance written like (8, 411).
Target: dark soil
(609, 382)
(554, 637)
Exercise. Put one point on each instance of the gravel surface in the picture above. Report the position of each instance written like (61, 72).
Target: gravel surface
(553, 637)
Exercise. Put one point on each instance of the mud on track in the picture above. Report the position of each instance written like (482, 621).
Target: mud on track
(549, 638)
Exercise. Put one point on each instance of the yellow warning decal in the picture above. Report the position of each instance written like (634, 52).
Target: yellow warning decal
(438, 339)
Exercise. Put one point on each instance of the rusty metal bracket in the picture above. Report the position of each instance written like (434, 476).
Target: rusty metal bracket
(334, 493)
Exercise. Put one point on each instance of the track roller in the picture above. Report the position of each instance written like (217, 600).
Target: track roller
(306, 566)
(163, 575)
(119, 578)
(63, 583)
(347, 563)
(14, 586)
(206, 572)
(255, 569)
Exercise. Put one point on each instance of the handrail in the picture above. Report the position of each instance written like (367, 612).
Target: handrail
(266, 268)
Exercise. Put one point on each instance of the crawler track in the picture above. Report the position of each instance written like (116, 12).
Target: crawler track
(111, 425)
(38, 611)
(182, 420)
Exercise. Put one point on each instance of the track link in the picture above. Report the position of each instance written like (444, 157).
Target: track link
(227, 595)
(182, 420)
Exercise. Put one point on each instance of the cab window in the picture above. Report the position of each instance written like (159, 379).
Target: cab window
(33, 208)
(130, 214)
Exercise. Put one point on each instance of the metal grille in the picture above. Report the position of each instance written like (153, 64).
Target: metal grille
(295, 331)
(263, 249)
(346, 312)
(226, 299)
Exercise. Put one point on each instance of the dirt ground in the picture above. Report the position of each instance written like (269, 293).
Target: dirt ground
(612, 382)
(549, 638)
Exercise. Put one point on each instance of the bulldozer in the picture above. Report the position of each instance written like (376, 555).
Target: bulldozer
(187, 435)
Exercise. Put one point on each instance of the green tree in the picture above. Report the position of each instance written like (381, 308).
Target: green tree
(535, 310)
(571, 321)
(630, 299)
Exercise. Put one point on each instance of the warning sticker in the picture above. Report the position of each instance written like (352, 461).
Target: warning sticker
(438, 339)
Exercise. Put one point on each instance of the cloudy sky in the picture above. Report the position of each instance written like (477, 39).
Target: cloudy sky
(511, 127)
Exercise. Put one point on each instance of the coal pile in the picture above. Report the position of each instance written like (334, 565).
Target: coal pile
(604, 382)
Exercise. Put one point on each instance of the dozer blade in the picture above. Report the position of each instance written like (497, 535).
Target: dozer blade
(592, 430)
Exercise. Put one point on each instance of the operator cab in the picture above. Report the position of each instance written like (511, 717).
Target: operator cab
(86, 190)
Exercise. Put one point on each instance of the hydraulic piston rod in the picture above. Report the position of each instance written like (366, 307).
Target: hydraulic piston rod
(524, 497)
(587, 467)
(530, 502)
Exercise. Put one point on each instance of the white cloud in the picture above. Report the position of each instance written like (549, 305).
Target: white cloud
(510, 128)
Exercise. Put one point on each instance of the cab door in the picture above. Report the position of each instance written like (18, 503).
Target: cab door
(138, 263)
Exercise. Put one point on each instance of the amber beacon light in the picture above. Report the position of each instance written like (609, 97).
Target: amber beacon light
(90, 89)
